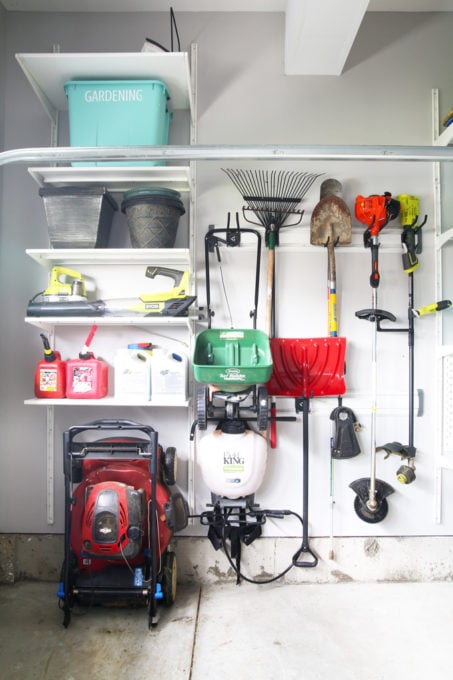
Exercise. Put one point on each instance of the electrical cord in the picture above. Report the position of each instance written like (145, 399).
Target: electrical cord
(174, 25)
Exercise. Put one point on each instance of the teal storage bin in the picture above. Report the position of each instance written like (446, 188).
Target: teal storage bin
(118, 113)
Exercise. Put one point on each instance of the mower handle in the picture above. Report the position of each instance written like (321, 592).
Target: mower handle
(109, 424)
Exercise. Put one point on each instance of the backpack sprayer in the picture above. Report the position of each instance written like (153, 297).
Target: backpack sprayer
(233, 457)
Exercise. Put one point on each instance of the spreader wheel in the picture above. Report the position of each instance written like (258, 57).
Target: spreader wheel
(169, 578)
(371, 516)
(262, 409)
(202, 407)
(170, 465)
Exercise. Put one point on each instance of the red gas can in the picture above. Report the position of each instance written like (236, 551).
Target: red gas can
(87, 377)
(50, 374)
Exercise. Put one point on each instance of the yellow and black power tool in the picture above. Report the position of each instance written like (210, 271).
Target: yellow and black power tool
(65, 285)
(411, 236)
(66, 296)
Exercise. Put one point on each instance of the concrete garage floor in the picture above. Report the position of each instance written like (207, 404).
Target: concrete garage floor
(344, 631)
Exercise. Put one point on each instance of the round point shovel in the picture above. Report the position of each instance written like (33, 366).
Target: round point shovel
(330, 226)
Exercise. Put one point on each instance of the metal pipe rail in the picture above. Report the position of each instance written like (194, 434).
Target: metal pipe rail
(428, 154)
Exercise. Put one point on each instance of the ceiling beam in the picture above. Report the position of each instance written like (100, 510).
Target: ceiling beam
(319, 35)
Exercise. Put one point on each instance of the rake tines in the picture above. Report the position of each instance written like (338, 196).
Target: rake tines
(272, 195)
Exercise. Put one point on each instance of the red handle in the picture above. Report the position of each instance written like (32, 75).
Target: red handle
(93, 330)
(273, 426)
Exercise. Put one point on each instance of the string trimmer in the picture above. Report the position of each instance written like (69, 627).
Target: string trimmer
(411, 242)
(376, 212)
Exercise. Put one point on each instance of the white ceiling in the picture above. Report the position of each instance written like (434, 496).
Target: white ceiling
(207, 5)
(318, 33)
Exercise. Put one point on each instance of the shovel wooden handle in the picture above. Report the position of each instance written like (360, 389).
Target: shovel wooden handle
(270, 288)
(270, 325)
(332, 290)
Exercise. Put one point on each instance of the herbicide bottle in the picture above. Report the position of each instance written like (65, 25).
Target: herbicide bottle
(87, 377)
(50, 374)
(169, 375)
(133, 372)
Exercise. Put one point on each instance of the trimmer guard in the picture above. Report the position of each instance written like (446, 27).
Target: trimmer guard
(307, 367)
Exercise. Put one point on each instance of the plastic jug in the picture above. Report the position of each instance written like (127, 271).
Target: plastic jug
(169, 375)
(133, 372)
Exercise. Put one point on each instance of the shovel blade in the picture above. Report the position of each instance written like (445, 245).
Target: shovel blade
(312, 367)
(330, 221)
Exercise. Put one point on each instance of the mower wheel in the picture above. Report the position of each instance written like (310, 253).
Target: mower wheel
(262, 409)
(202, 407)
(371, 516)
(169, 578)
(169, 466)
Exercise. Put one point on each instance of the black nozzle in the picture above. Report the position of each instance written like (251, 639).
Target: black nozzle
(49, 354)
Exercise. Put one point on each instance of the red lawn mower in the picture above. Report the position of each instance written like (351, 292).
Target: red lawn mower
(120, 517)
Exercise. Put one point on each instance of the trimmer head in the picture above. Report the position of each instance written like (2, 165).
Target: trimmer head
(371, 515)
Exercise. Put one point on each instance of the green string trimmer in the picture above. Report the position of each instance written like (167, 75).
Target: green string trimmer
(411, 240)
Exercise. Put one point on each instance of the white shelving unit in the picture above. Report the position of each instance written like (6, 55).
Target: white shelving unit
(47, 74)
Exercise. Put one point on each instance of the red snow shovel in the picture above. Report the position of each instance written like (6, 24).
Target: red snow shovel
(304, 368)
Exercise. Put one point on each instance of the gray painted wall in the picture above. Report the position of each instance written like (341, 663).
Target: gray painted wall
(383, 97)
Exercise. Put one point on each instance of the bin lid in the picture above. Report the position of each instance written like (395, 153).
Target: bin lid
(145, 192)
(167, 197)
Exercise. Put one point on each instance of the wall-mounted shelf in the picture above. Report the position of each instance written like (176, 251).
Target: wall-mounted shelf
(107, 401)
(48, 72)
(115, 178)
(48, 322)
(168, 256)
